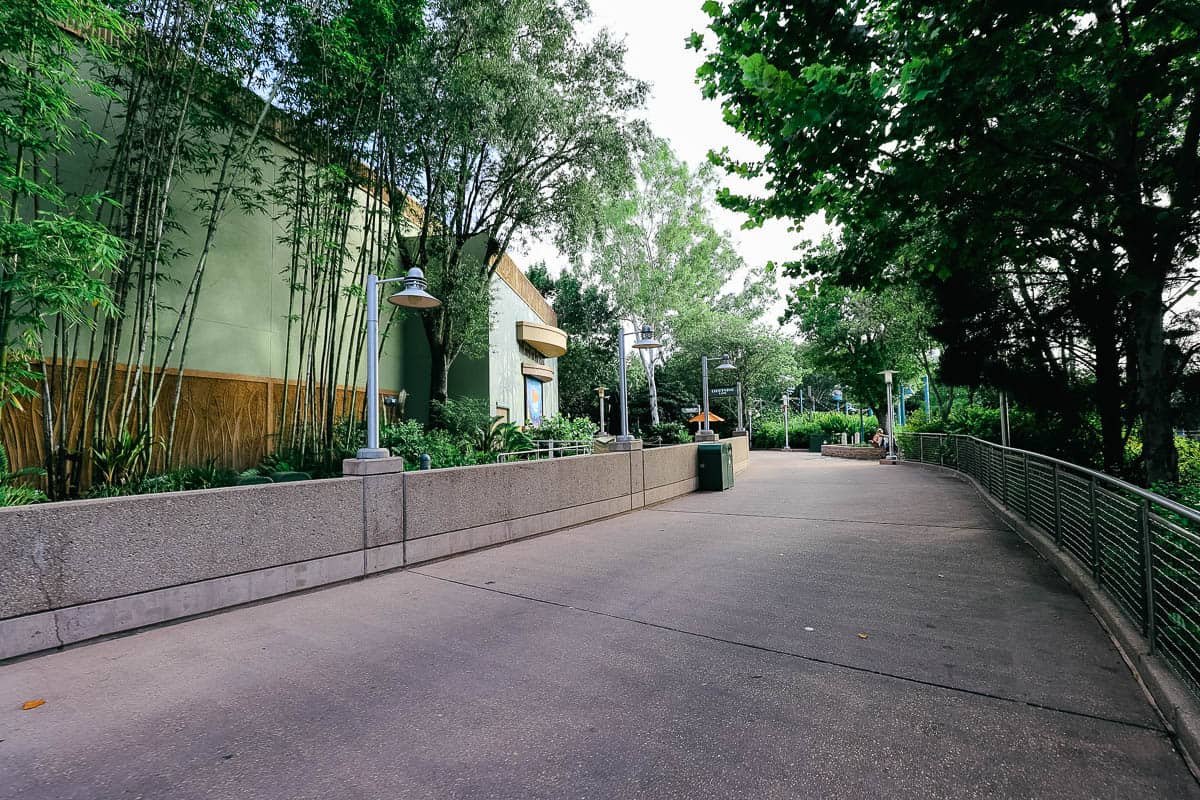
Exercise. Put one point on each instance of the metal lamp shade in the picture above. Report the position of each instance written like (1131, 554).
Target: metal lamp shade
(413, 295)
(645, 339)
(726, 363)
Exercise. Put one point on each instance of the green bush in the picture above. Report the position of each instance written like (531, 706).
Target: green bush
(768, 433)
(16, 494)
(669, 433)
(461, 417)
(565, 428)
(181, 479)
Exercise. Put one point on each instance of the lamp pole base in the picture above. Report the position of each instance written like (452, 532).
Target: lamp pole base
(706, 436)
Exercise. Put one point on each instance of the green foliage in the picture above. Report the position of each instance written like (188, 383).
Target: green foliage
(53, 254)
(768, 432)
(122, 459)
(508, 122)
(16, 494)
(668, 433)
(1036, 172)
(654, 249)
(586, 314)
(563, 428)
(182, 479)
(460, 417)
(856, 334)
(410, 440)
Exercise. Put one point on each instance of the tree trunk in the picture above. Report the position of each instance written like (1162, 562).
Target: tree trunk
(1108, 399)
(651, 387)
(1158, 439)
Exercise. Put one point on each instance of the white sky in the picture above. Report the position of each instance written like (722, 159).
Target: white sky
(655, 32)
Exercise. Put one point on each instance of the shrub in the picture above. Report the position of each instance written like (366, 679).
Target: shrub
(15, 494)
(768, 433)
(182, 479)
(461, 417)
(669, 433)
(565, 428)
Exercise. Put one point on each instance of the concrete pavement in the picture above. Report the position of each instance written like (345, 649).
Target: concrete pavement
(708, 647)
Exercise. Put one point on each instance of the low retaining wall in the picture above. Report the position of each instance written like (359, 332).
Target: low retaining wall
(78, 570)
(847, 451)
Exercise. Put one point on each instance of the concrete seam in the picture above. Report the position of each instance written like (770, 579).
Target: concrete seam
(364, 525)
(1164, 690)
(185, 583)
(800, 656)
(41, 581)
(827, 519)
(404, 519)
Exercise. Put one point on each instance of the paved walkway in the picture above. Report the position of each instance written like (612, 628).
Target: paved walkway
(828, 629)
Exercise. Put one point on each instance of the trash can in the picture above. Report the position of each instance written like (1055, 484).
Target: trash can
(815, 440)
(715, 466)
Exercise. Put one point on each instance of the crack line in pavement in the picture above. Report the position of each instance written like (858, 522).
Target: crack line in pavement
(802, 657)
(828, 519)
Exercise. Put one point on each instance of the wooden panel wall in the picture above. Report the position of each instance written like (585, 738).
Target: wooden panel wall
(229, 419)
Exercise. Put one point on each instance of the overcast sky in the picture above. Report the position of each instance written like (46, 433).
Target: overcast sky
(654, 33)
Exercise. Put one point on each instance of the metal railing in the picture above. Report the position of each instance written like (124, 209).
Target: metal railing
(1142, 549)
(549, 448)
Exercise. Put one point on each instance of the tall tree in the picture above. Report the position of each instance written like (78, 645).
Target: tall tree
(54, 256)
(1067, 133)
(507, 123)
(585, 313)
(656, 252)
(854, 335)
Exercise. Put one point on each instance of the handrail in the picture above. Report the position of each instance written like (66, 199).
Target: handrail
(1142, 549)
(1157, 499)
(555, 448)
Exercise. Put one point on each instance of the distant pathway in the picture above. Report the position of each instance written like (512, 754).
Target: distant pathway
(827, 629)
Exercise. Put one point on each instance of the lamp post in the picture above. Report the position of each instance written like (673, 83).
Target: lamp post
(890, 458)
(413, 295)
(705, 434)
(787, 401)
(644, 341)
(600, 390)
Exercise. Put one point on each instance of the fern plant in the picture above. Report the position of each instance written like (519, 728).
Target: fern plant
(16, 494)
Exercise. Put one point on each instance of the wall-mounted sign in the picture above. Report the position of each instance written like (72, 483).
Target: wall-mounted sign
(533, 400)
(691, 410)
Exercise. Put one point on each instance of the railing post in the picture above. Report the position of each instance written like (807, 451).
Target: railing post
(1147, 548)
(1025, 475)
(551, 448)
(1003, 477)
(1097, 569)
(1057, 510)
(921, 447)
(957, 460)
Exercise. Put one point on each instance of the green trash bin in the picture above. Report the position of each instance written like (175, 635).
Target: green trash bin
(815, 440)
(715, 466)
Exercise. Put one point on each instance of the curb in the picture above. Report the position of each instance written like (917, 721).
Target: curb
(1178, 707)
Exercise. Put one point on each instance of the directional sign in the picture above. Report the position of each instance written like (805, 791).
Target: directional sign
(691, 410)
(723, 391)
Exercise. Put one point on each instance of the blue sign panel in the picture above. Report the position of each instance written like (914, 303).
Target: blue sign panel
(533, 400)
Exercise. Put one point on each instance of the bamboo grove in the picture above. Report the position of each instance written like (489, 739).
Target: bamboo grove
(407, 144)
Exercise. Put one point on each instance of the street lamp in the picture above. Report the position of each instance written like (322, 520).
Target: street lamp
(890, 458)
(413, 295)
(705, 433)
(787, 401)
(644, 341)
(600, 390)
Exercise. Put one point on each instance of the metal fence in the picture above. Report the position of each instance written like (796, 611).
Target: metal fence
(1142, 549)
(549, 448)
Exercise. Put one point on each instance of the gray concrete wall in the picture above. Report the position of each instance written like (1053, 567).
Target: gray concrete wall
(78, 570)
